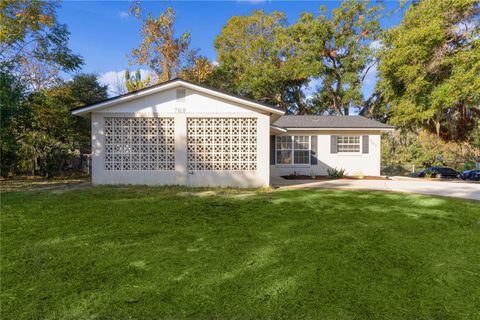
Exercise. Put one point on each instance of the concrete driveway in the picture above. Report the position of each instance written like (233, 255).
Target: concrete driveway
(398, 184)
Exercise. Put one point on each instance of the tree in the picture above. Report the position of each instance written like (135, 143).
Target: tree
(39, 133)
(11, 96)
(340, 52)
(37, 128)
(42, 133)
(160, 51)
(257, 58)
(84, 89)
(134, 83)
(198, 69)
(35, 42)
(48, 135)
(263, 57)
(51, 137)
(430, 68)
(405, 149)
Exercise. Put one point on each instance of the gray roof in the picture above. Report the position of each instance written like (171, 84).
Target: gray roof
(336, 122)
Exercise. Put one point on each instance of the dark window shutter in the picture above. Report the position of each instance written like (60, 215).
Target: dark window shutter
(365, 144)
(272, 150)
(333, 144)
(313, 150)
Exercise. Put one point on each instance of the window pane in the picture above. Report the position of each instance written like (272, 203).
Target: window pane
(283, 143)
(302, 157)
(296, 147)
(301, 142)
(348, 144)
(284, 157)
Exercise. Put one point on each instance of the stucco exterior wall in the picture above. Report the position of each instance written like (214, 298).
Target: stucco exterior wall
(165, 104)
(357, 163)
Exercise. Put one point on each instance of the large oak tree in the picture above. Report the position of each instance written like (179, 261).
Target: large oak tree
(257, 58)
(430, 68)
(264, 57)
(338, 46)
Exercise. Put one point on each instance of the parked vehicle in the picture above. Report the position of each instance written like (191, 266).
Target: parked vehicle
(465, 174)
(470, 174)
(437, 172)
(475, 176)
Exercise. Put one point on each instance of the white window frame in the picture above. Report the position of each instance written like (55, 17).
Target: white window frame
(347, 152)
(292, 162)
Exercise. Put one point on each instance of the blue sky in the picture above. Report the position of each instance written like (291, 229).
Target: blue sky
(103, 32)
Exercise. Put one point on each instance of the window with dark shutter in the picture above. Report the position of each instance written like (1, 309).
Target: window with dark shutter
(291, 150)
(349, 144)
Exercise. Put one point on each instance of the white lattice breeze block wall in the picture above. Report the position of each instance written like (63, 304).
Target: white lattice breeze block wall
(227, 150)
(224, 144)
(139, 143)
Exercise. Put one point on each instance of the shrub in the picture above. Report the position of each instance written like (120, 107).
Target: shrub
(396, 170)
(467, 166)
(335, 173)
(424, 149)
(313, 175)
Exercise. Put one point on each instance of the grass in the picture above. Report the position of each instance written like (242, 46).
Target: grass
(71, 181)
(145, 253)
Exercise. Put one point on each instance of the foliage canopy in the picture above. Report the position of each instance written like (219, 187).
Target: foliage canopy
(430, 68)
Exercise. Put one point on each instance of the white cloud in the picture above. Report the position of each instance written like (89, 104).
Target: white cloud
(123, 15)
(215, 63)
(376, 45)
(371, 77)
(115, 80)
(370, 81)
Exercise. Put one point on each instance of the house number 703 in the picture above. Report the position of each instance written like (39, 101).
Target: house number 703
(180, 110)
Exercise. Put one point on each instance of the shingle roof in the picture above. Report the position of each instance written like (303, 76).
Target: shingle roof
(312, 121)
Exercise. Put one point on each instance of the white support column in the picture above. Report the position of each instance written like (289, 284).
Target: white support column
(97, 146)
(263, 152)
(181, 169)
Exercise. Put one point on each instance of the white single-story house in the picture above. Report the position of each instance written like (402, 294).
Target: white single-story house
(181, 133)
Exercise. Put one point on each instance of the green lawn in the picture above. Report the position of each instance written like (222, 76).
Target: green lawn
(145, 253)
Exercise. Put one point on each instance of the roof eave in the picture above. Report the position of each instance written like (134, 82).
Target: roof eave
(340, 128)
(276, 129)
(83, 111)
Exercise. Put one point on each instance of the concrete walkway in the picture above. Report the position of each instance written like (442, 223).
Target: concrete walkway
(400, 184)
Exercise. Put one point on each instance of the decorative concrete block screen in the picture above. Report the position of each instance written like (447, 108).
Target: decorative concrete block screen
(222, 143)
(139, 144)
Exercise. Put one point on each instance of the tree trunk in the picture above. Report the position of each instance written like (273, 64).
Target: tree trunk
(437, 124)
(302, 109)
(35, 164)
